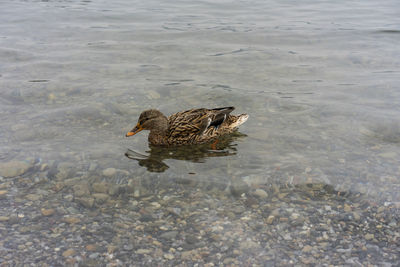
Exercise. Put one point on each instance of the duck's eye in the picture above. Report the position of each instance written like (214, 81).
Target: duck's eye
(144, 120)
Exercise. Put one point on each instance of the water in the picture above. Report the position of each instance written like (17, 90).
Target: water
(319, 79)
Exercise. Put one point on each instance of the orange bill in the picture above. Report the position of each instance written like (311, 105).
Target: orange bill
(135, 130)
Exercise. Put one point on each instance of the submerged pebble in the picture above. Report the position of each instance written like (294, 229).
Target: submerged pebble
(14, 168)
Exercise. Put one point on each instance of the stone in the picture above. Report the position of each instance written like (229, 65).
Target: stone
(347, 208)
(3, 194)
(143, 251)
(69, 197)
(100, 187)
(175, 211)
(68, 252)
(94, 255)
(91, 247)
(72, 220)
(81, 190)
(169, 235)
(87, 202)
(153, 94)
(64, 171)
(14, 168)
(47, 212)
(169, 256)
(111, 249)
(4, 218)
(100, 197)
(109, 172)
(155, 205)
(76, 181)
(261, 193)
(270, 219)
(356, 216)
(115, 190)
(307, 248)
(239, 187)
(58, 187)
(369, 236)
(33, 197)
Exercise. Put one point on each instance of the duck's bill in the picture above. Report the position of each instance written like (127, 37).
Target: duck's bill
(134, 131)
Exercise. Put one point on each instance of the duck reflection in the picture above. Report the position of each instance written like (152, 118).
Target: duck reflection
(223, 147)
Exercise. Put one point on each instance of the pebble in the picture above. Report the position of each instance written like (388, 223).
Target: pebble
(47, 212)
(347, 208)
(100, 197)
(91, 247)
(4, 218)
(87, 202)
(100, 187)
(169, 256)
(153, 94)
(109, 172)
(33, 197)
(270, 219)
(261, 193)
(68, 252)
(14, 168)
(71, 220)
(369, 236)
(94, 255)
(307, 248)
(169, 235)
(155, 205)
(239, 187)
(3, 194)
(143, 251)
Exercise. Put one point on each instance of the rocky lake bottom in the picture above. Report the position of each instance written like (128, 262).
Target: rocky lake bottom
(52, 215)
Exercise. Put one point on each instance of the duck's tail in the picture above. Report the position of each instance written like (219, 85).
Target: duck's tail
(239, 120)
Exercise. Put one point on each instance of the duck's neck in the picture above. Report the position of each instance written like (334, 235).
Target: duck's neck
(158, 134)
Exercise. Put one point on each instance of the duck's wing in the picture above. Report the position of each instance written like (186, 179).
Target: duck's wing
(196, 121)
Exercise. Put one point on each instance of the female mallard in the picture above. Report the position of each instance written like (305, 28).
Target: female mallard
(195, 126)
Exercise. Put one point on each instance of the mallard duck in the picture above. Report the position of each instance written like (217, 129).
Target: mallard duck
(194, 126)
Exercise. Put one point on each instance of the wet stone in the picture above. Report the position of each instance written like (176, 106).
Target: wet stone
(87, 202)
(81, 189)
(239, 187)
(68, 253)
(100, 187)
(72, 220)
(33, 197)
(115, 190)
(91, 247)
(143, 251)
(100, 197)
(369, 236)
(47, 212)
(270, 219)
(109, 172)
(64, 170)
(169, 235)
(169, 256)
(14, 168)
(94, 255)
(4, 218)
(261, 193)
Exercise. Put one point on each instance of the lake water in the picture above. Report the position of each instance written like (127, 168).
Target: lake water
(319, 80)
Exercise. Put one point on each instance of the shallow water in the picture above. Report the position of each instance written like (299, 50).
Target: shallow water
(319, 79)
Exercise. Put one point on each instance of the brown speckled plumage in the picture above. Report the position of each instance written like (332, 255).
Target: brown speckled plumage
(195, 126)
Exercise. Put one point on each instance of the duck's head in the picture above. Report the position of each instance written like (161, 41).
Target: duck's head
(151, 119)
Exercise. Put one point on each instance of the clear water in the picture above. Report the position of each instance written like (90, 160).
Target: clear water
(319, 79)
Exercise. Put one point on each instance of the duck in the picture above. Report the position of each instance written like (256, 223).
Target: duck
(190, 127)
